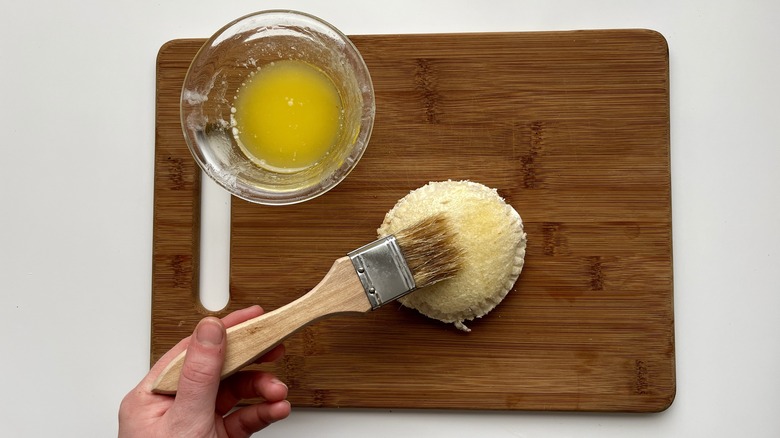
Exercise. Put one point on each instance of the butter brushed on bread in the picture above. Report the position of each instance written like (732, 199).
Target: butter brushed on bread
(490, 234)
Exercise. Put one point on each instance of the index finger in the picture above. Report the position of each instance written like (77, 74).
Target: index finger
(241, 315)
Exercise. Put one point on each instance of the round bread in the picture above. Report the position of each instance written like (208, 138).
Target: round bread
(490, 233)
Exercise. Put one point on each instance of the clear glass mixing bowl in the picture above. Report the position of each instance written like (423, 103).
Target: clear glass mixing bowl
(227, 59)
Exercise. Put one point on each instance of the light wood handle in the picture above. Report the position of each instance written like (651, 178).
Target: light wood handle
(338, 293)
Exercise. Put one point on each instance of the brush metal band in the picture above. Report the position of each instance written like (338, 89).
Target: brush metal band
(382, 269)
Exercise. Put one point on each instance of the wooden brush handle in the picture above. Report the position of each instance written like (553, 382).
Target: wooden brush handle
(339, 292)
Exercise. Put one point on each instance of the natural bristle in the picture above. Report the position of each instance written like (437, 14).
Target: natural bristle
(430, 251)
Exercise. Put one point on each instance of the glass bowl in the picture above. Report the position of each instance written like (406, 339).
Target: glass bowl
(239, 50)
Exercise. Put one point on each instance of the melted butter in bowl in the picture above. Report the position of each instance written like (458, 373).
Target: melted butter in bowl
(277, 107)
(287, 116)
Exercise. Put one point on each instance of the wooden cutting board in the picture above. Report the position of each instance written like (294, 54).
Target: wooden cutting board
(572, 128)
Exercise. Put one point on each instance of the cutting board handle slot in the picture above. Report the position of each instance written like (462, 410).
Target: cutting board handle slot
(214, 249)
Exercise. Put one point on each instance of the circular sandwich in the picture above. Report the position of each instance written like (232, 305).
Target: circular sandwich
(487, 230)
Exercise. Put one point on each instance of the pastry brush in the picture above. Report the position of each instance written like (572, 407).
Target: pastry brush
(364, 280)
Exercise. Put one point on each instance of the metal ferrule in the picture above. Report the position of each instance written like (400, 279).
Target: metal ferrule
(382, 269)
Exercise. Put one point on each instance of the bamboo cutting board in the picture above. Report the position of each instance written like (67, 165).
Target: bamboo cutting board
(572, 128)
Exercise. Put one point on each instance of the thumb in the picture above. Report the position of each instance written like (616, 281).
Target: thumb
(200, 374)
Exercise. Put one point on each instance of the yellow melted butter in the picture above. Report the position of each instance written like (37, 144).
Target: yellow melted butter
(287, 116)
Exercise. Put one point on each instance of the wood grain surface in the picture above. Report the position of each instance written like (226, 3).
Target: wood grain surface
(572, 128)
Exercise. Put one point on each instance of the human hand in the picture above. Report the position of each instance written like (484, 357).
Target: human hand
(203, 406)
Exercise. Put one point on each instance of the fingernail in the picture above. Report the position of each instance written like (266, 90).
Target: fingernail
(209, 332)
(278, 382)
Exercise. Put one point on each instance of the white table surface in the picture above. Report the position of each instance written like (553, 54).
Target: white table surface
(77, 136)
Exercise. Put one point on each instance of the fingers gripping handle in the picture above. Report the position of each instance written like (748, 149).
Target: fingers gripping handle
(339, 292)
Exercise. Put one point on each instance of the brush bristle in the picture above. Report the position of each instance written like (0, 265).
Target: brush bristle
(430, 251)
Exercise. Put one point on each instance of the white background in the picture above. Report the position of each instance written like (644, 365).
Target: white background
(77, 140)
